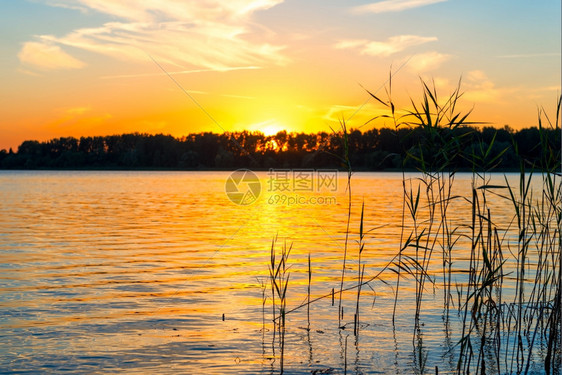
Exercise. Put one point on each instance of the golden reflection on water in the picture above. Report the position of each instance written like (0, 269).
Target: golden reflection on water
(133, 271)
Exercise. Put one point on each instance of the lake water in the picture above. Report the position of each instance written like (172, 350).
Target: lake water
(160, 272)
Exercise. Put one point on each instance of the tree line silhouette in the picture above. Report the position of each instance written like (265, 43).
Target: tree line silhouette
(466, 147)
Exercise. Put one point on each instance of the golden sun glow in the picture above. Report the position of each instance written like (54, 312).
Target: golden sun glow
(272, 145)
(273, 129)
(286, 78)
(269, 127)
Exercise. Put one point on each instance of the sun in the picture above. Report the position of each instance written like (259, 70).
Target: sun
(273, 129)
(268, 128)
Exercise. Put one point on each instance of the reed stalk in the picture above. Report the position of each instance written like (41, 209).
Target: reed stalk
(502, 322)
(279, 279)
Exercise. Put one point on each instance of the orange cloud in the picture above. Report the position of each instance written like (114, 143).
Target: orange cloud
(46, 56)
(479, 88)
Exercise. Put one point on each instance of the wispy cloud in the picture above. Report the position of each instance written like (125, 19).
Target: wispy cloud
(336, 112)
(234, 96)
(67, 5)
(77, 110)
(424, 62)
(46, 56)
(480, 88)
(549, 88)
(393, 6)
(391, 46)
(28, 72)
(179, 72)
(74, 118)
(530, 55)
(207, 34)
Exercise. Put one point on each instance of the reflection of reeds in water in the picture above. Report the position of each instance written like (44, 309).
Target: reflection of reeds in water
(279, 279)
(506, 330)
(497, 336)
(360, 271)
(308, 294)
(345, 161)
(501, 330)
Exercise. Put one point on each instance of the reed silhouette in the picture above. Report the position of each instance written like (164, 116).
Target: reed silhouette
(501, 330)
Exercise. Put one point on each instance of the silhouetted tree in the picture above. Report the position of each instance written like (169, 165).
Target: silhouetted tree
(375, 149)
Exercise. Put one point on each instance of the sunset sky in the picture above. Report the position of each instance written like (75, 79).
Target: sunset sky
(91, 67)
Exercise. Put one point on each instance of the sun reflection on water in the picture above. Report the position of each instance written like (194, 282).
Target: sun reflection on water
(133, 271)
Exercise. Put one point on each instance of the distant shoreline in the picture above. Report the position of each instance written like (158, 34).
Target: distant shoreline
(462, 148)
